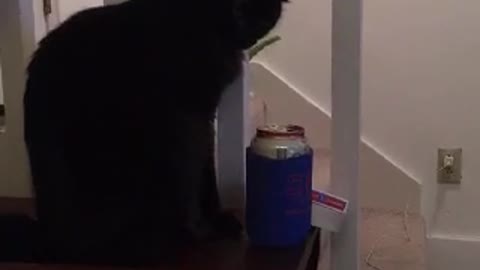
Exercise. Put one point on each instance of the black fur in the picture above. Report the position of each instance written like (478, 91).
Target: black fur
(118, 120)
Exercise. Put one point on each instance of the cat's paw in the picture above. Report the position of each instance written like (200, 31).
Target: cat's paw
(228, 226)
(200, 231)
(222, 226)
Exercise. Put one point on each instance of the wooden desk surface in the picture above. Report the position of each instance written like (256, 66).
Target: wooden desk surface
(229, 255)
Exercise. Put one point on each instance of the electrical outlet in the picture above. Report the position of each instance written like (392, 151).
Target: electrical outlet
(449, 166)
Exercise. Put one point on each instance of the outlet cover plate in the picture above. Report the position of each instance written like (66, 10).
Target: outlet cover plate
(455, 175)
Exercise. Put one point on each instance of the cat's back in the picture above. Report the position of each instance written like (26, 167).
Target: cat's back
(82, 36)
(137, 50)
(90, 63)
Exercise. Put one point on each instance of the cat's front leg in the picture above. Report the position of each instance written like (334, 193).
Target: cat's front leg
(224, 224)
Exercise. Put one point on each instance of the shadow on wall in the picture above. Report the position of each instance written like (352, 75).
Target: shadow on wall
(2, 104)
(113, 2)
(1, 85)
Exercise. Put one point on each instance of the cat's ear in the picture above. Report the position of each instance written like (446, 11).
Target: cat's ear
(255, 19)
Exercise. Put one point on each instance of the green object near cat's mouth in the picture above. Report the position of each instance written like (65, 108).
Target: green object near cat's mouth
(261, 45)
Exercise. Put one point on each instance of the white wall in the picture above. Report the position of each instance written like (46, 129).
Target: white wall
(22, 25)
(67, 8)
(18, 33)
(303, 56)
(421, 90)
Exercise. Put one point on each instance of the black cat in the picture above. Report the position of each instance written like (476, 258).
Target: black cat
(119, 107)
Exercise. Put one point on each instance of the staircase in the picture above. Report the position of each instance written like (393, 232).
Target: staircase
(392, 230)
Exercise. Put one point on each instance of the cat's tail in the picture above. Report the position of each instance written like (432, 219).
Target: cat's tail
(17, 238)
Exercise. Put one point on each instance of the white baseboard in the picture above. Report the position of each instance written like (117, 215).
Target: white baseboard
(447, 252)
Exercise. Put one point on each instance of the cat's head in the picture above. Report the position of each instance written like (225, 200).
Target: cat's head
(255, 19)
(246, 21)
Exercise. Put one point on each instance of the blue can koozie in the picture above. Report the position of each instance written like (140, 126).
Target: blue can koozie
(278, 211)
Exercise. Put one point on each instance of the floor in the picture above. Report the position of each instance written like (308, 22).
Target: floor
(389, 240)
(392, 241)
